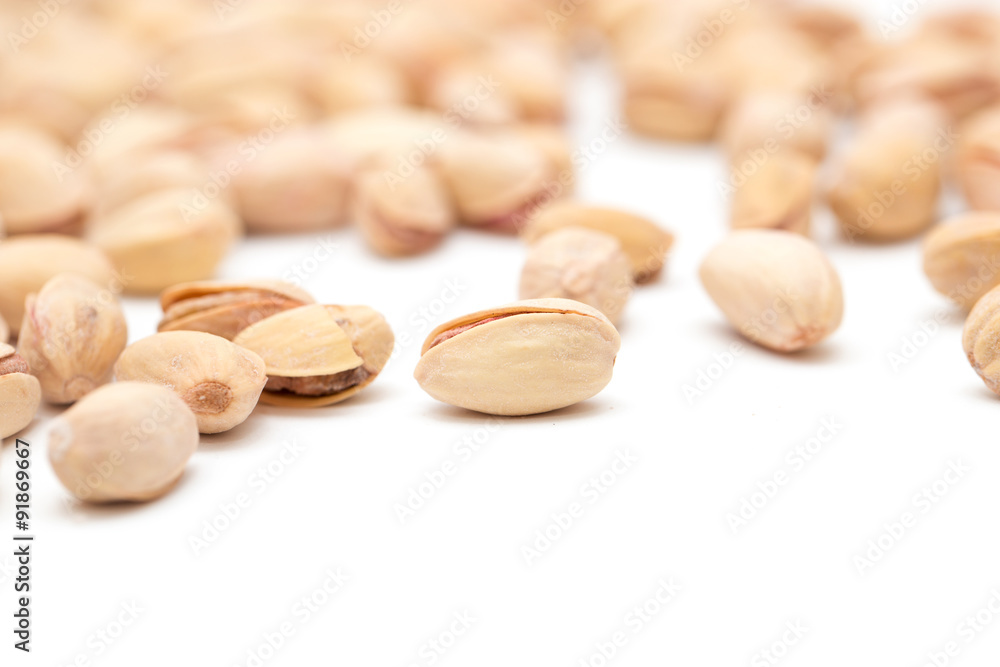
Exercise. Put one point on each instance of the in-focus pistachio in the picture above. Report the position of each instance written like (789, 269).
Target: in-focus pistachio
(138, 436)
(775, 287)
(981, 339)
(962, 256)
(525, 358)
(20, 393)
(227, 308)
(72, 333)
(319, 355)
(777, 195)
(218, 380)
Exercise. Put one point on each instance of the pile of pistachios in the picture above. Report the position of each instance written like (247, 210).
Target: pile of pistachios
(140, 141)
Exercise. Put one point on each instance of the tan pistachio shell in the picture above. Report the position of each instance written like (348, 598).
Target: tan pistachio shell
(525, 358)
(979, 160)
(218, 380)
(72, 333)
(779, 195)
(981, 339)
(962, 256)
(20, 393)
(319, 355)
(778, 121)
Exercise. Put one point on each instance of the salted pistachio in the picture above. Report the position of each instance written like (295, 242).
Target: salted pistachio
(581, 264)
(165, 238)
(645, 243)
(777, 121)
(979, 160)
(525, 358)
(219, 380)
(73, 330)
(227, 308)
(20, 393)
(405, 216)
(126, 441)
(775, 287)
(778, 195)
(28, 262)
(962, 256)
(981, 339)
(887, 183)
(319, 355)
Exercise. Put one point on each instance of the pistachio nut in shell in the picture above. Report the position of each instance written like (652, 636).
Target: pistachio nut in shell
(219, 380)
(525, 358)
(773, 121)
(141, 434)
(28, 262)
(580, 264)
(778, 195)
(775, 287)
(20, 393)
(981, 339)
(319, 355)
(227, 308)
(645, 243)
(979, 160)
(962, 256)
(72, 333)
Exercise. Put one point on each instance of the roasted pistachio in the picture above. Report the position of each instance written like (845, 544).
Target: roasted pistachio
(525, 358)
(962, 256)
(20, 393)
(981, 339)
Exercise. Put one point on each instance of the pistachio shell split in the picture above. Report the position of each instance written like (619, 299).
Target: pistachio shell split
(981, 339)
(20, 393)
(962, 257)
(319, 355)
(776, 288)
(218, 380)
(227, 308)
(73, 331)
(127, 441)
(526, 358)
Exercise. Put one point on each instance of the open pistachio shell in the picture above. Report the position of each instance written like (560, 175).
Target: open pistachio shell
(20, 393)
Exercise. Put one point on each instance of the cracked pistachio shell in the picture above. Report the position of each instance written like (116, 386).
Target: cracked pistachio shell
(126, 441)
(779, 195)
(526, 358)
(776, 288)
(227, 308)
(20, 393)
(981, 339)
(580, 264)
(28, 262)
(962, 257)
(645, 243)
(218, 380)
(72, 333)
(319, 355)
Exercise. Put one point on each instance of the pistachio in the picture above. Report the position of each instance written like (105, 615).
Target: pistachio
(367, 83)
(645, 243)
(778, 195)
(226, 308)
(136, 176)
(887, 183)
(776, 287)
(776, 121)
(28, 262)
(404, 218)
(165, 238)
(4, 330)
(580, 264)
(981, 339)
(525, 358)
(71, 335)
(218, 380)
(554, 143)
(962, 256)
(20, 393)
(319, 355)
(979, 160)
(127, 441)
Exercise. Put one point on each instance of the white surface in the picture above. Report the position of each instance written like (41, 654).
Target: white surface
(333, 507)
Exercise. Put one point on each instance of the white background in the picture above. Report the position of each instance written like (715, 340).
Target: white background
(665, 518)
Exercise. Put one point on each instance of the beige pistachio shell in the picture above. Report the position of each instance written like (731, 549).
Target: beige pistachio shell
(20, 393)
(981, 339)
(136, 176)
(645, 243)
(962, 256)
(525, 358)
(775, 287)
(777, 121)
(218, 380)
(72, 333)
(319, 355)
(779, 195)
(579, 264)
(226, 308)
(165, 238)
(28, 262)
(127, 441)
